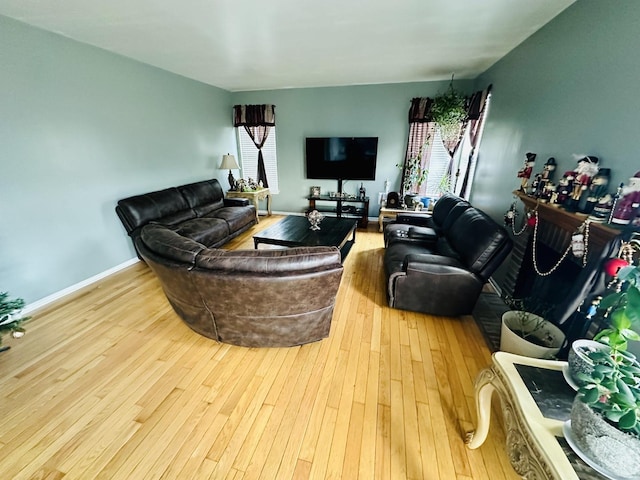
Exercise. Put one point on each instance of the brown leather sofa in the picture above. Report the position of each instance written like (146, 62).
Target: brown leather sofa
(442, 270)
(197, 211)
(251, 298)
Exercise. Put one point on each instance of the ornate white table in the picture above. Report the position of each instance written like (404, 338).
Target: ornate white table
(533, 425)
(254, 196)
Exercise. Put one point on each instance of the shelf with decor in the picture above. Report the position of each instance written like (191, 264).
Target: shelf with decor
(342, 207)
(600, 234)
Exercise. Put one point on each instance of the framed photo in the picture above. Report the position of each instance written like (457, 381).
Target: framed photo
(315, 191)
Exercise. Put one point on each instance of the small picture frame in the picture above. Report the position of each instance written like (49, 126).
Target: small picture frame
(315, 191)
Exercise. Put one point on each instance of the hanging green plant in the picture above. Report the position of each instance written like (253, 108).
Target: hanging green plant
(449, 111)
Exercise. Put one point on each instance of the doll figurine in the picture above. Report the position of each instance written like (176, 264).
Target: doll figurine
(587, 168)
(525, 172)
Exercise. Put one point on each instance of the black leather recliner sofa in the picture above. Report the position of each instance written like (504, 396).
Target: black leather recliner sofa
(442, 270)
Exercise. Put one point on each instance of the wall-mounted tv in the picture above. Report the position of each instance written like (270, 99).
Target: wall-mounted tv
(341, 158)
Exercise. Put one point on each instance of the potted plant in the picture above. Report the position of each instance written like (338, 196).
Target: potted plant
(10, 319)
(414, 175)
(525, 332)
(605, 417)
(449, 111)
(622, 311)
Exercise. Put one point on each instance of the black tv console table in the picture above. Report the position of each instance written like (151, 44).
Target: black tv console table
(342, 207)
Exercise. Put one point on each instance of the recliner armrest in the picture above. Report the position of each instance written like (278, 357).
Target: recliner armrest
(426, 262)
(418, 220)
(236, 202)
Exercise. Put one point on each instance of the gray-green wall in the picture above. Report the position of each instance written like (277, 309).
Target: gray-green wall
(572, 87)
(79, 129)
(371, 110)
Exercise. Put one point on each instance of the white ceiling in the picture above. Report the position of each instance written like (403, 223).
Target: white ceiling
(243, 45)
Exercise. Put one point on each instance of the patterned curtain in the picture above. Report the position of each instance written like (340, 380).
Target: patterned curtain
(477, 109)
(257, 120)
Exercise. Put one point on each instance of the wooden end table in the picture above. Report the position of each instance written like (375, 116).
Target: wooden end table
(536, 401)
(254, 196)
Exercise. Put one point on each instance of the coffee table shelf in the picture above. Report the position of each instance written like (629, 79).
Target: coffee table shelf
(343, 207)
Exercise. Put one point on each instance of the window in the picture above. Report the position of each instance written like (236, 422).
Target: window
(438, 178)
(249, 157)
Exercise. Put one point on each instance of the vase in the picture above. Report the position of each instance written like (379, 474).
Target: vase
(543, 339)
(604, 444)
(315, 217)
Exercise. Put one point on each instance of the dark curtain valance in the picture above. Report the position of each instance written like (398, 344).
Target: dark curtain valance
(420, 109)
(254, 116)
(477, 102)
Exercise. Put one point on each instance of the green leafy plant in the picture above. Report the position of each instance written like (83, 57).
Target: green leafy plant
(10, 319)
(613, 387)
(449, 110)
(624, 311)
(415, 175)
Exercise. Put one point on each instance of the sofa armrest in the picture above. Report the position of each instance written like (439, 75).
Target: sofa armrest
(434, 284)
(236, 202)
(418, 220)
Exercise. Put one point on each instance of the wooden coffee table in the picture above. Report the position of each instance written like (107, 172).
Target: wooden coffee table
(294, 231)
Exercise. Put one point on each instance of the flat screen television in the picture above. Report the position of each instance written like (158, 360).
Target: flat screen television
(341, 158)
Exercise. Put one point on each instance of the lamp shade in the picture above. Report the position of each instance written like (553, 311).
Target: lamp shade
(229, 162)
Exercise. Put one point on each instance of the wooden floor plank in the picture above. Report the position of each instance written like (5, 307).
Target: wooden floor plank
(110, 383)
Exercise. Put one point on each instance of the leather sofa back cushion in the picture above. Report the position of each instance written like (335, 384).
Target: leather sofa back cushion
(203, 197)
(169, 244)
(476, 238)
(270, 262)
(443, 206)
(141, 209)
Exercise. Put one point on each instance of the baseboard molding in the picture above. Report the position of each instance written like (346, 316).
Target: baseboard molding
(74, 288)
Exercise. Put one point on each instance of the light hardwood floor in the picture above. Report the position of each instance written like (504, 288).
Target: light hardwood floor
(110, 384)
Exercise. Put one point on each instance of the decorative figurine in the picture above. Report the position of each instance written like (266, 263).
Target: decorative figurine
(525, 172)
(587, 168)
(548, 169)
(315, 217)
(597, 188)
(626, 207)
(565, 187)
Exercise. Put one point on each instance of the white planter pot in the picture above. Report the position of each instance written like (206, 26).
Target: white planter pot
(578, 360)
(603, 444)
(512, 342)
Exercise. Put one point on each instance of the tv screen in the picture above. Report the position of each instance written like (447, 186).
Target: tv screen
(341, 158)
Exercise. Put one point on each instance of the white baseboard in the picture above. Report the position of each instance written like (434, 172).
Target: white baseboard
(74, 288)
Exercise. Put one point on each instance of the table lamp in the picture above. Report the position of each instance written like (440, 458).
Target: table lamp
(229, 162)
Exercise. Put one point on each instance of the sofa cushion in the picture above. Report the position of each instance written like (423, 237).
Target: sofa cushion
(236, 217)
(477, 239)
(175, 218)
(165, 242)
(206, 230)
(139, 210)
(203, 196)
